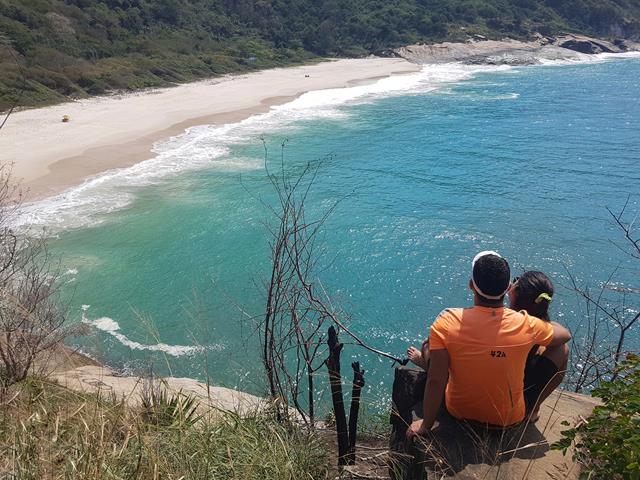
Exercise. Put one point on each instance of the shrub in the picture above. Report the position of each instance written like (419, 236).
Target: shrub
(608, 443)
(163, 408)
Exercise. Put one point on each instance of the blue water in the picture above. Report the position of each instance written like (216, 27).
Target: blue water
(523, 161)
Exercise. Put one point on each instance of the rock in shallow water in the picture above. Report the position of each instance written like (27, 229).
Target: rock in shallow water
(514, 58)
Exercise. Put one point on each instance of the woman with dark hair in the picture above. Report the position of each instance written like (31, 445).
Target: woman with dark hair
(546, 367)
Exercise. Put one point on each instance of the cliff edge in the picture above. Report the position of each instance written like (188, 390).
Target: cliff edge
(461, 450)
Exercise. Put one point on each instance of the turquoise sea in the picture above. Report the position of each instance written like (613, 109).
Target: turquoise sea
(166, 261)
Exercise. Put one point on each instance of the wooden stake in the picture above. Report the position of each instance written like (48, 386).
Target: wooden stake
(333, 365)
(358, 383)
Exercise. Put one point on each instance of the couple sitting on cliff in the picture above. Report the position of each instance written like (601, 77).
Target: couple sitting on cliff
(493, 365)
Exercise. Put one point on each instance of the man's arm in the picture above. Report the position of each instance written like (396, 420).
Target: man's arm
(433, 393)
(560, 335)
(436, 384)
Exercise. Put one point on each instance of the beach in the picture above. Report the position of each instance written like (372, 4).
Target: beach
(117, 131)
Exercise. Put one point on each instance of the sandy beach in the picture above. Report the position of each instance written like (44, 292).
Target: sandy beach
(103, 133)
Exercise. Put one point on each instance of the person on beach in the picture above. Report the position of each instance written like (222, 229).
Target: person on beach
(476, 357)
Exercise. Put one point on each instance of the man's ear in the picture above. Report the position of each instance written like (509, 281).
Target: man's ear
(473, 290)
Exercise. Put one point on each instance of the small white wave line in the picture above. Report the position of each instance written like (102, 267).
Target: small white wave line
(110, 326)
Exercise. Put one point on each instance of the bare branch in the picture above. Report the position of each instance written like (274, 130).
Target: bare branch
(609, 318)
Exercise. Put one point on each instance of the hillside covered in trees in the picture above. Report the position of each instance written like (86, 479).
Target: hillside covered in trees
(75, 48)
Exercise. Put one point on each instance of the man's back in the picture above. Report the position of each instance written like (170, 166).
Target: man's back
(488, 348)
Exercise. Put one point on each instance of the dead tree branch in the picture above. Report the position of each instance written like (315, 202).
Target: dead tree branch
(601, 343)
(32, 319)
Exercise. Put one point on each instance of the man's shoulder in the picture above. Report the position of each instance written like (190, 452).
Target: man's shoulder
(448, 317)
(451, 313)
(515, 314)
(523, 321)
(519, 316)
(447, 322)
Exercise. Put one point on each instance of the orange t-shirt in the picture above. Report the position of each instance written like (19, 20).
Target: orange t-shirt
(488, 349)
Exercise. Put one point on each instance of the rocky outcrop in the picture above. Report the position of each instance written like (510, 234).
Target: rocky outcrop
(512, 52)
(461, 52)
(72, 369)
(514, 58)
(582, 44)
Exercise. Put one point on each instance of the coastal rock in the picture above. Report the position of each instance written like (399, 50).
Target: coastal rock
(514, 58)
(626, 45)
(621, 44)
(583, 46)
(588, 45)
(512, 52)
(462, 52)
(487, 52)
(522, 452)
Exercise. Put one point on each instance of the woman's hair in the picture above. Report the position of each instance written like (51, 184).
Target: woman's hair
(531, 288)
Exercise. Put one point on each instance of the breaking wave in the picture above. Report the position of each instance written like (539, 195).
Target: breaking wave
(111, 327)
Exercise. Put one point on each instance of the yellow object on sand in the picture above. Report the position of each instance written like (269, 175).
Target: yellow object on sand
(66, 118)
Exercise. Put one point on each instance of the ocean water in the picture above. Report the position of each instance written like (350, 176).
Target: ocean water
(166, 261)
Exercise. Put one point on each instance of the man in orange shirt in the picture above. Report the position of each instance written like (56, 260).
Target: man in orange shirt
(476, 356)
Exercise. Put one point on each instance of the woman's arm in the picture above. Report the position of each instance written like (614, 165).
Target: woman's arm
(560, 335)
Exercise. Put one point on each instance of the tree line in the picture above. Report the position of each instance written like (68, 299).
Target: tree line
(75, 48)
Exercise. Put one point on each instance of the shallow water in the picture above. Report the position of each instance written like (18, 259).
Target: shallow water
(167, 259)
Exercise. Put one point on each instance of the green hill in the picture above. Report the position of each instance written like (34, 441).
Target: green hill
(75, 48)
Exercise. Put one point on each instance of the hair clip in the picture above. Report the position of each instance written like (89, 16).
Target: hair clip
(543, 296)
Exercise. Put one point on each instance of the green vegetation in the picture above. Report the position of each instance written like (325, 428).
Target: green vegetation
(47, 431)
(75, 48)
(608, 443)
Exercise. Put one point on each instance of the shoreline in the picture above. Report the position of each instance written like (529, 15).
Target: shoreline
(119, 131)
(106, 133)
(70, 171)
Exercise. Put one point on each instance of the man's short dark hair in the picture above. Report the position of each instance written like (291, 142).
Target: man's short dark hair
(491, 274)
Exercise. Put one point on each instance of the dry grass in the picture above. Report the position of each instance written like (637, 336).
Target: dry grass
(49, 432)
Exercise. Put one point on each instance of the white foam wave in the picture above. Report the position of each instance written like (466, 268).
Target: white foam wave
(587, 58)
(110, 326)
(617, 56)
(576, 57)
